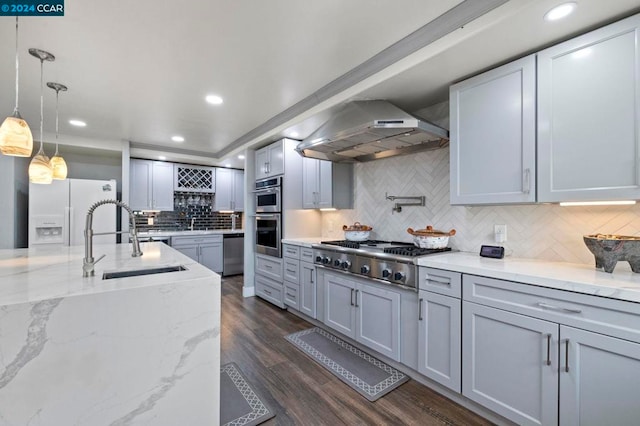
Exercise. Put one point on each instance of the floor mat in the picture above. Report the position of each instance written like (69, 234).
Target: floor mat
(367, 375)
(240, 404)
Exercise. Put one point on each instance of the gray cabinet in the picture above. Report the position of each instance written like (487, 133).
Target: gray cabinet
(190, 178)
(151, 185)
(270, 160)
(493, 136)
(326, 184)
(367, 313)
(229, 190)
(511, 364)
(206, 250)
(588, 109)
(308, 289)
(269, 277)
(599, 379)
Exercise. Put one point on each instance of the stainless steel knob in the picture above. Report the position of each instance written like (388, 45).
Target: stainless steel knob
(326, 260)
(398, 276)
(346, 264)
(336, 263)
(386, 273)
(365, 269)
(318, 259)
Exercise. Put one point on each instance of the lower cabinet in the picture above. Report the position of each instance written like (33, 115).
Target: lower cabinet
(528, 355)
(307, 295)
(206, 250)
(269, 290)
(366, 313)
(269, 279)
(439, 339)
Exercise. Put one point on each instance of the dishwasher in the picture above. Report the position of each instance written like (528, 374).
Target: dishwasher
(233, 257)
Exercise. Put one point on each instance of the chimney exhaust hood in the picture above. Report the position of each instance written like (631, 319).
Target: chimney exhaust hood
(371, 130)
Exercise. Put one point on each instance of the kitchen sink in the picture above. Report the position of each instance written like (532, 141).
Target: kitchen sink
(138, 272)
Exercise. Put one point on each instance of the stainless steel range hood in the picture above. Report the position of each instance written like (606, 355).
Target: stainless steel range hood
(370, 130)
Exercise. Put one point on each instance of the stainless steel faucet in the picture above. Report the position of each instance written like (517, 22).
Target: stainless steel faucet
(89, 262)
(193, 219)
(234, 216)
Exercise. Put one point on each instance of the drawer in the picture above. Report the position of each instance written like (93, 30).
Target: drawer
(269, 290)
(598, 314)
(306, 255)
(270, 267)
(291, 270)
(191, 240)
(440, 281)
(291, 251)
(291, 292)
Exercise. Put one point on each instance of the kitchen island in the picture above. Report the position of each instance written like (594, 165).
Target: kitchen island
(134, 350)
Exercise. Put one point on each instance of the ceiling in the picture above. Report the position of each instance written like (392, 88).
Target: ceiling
(139, 71)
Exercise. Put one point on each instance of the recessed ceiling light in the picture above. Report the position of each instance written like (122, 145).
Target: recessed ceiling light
(77, 123)
(162, 157)
(227, 165)
(177, 138)
(560, 11)
(294, 134)
(241, 157)
(214, 99)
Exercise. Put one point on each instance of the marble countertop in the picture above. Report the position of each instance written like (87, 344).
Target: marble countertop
(622, 284)
(189, 233)
(29, 275)
(302, 242)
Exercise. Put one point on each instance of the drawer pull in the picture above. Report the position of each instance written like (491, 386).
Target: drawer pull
(291, 295)
(420, 309)
(548, 362)
(267, 291)
(268, 267)
(558, 308)
(291, 271)
(438, 280)
(566, 356)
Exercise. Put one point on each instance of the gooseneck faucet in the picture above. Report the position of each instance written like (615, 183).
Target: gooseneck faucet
(89, 262)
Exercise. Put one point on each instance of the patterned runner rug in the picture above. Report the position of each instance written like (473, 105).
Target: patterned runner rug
(369, 376)
(240, 404)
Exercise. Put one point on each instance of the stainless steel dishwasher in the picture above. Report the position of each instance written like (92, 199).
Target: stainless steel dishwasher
(233, 248)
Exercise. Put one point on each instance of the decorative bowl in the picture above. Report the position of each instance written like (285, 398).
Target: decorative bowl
(356, 232)
(609, 249)
(430, 238)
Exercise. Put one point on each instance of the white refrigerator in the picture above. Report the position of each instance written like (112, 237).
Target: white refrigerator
(57, 212)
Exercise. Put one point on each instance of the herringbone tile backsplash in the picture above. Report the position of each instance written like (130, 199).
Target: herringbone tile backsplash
(542, 231)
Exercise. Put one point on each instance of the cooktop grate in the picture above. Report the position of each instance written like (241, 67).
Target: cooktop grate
(414, 251)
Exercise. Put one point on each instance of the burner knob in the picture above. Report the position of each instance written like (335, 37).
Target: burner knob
(365, 269)
(346, 264)
(326, 260)
(318, 259)
(386, 273)
(336, 263)
(398, 276)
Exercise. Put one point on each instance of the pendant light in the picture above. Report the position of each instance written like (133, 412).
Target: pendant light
(58, 165)
(39, 168)
(15, 135)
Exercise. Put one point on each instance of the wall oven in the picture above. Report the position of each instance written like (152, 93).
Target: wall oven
(268, 196)
(269, 234)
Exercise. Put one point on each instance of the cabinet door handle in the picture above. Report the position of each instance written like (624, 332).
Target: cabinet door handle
(438, 280)
(526, 181)
(420, 309)
(548, 362)
(558, 308)
(351, 298)
(566, 356)
(357, 291)
(311, 275)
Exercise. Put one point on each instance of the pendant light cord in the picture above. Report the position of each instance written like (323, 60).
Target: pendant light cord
(41, 150)
(57, 94)
(17, 66)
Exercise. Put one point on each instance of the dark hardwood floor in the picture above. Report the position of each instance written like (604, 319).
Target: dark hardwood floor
(302, 392)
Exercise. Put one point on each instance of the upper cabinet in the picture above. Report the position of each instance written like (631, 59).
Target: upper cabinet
(588, 112)
(493, 136)
(586, 92)
(151, 185)
(326, 184)
(270, 160)
(229, 190)
(195, 178)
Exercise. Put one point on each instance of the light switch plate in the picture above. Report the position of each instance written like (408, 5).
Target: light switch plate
(500, 233)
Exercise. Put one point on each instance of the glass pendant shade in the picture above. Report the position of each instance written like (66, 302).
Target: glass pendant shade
(59, 167)
(39, 169)
(15, 136)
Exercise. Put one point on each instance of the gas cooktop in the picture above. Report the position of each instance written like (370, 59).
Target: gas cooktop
(391, 247)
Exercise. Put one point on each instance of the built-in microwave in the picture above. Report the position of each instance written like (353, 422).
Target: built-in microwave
(268, 196)
(269, 234)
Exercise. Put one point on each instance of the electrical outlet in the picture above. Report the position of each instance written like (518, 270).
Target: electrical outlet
(500, 233)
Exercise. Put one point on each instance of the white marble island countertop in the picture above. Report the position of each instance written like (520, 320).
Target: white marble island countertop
(622, 284)
(29, 275)
(88, 351)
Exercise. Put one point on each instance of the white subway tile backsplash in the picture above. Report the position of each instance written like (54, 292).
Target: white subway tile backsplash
(540, 231)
